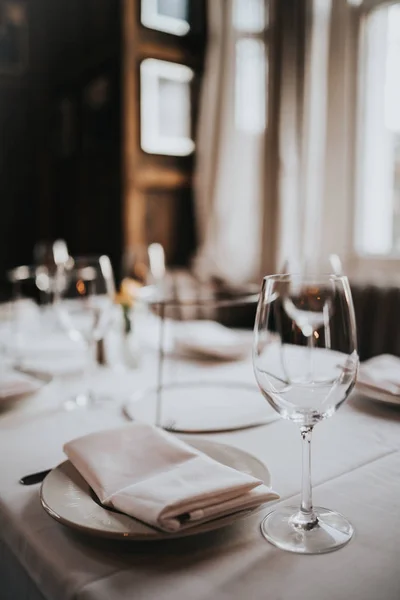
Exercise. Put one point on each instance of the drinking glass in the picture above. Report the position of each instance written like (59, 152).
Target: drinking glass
(84, 305)
(30, 310)
(305, 362)
(145, 266)
(52, 256)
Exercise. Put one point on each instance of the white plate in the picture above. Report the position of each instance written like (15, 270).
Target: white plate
(202, 406)
(378, 395)
(66, 496)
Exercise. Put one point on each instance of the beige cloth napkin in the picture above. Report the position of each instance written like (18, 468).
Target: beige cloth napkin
(381, 373)
(13, 384)
(212, 340)
(157, 478)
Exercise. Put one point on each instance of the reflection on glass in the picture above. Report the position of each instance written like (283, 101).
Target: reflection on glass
(165, 108)
(250, 15)
(251, 86)
(170, 16)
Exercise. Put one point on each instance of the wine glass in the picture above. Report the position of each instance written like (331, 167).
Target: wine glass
(305, 362)
(85, 297)
(144, 269)
(52, 256)
(30, 310)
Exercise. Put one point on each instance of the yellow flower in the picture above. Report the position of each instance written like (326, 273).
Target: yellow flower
(128, 293)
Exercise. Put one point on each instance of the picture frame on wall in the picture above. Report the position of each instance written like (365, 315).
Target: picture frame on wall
(13, 37)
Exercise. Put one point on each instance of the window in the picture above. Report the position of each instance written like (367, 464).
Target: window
(165, 108)
(250, 20)
(378, 212)
(170, 16)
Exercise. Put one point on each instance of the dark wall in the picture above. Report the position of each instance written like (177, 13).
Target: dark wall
(60, 128)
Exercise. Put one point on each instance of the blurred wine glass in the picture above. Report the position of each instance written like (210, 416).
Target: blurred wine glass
(305, 362)
(30, 310)
(52, 254)
(84, 305)
(144, 268)
(55, 258)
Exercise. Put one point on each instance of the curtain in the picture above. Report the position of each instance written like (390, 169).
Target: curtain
(230, 148)
(276, 193)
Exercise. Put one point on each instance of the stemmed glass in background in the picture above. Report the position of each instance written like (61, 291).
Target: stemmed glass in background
(30, 310)
(85, 296)
(52, 254)
(305, 362)
(145, 266)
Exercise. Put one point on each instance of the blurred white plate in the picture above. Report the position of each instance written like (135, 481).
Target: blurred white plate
(202, 406)
(67, 497)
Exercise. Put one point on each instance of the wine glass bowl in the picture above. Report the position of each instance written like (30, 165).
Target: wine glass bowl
(84, 304)
(31, 309)
(305, 362)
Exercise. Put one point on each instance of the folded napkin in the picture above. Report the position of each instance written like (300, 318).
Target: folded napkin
(13, 384)
(157, 478)
(381, 373)
(213, 340)
(201, 338)
(53, 355)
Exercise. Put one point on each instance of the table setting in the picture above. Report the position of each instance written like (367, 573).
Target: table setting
(106, 494)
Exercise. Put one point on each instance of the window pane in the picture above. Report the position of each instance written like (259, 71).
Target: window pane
(178, 9)
(250, 16)
(251, 86)
(165, 108)
(378, 223)
(171, 16)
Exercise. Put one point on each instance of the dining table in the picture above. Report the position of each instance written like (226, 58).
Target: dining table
(355, 470)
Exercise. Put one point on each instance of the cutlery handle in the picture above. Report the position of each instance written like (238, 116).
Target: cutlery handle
(34, 477)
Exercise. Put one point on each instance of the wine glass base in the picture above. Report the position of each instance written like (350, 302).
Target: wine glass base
(331, 532)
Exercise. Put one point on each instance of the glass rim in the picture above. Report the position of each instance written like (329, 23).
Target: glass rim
(297, 276)
(238, 298)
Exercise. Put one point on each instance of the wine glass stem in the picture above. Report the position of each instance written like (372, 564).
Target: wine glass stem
(310, 344)
(90, 368)
(306, 518)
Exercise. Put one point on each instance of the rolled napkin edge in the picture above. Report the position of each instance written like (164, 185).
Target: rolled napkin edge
(254, 498)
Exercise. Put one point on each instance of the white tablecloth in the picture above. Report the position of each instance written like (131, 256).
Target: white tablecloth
(356, 470)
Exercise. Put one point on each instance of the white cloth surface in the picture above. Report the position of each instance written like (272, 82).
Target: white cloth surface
(356, 465)
(381, 373)
(157, 478)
